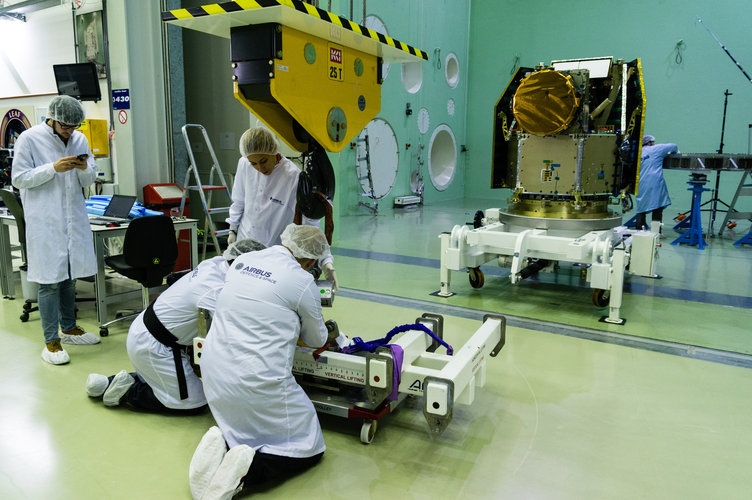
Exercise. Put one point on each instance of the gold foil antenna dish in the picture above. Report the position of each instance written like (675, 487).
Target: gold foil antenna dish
(545, 103)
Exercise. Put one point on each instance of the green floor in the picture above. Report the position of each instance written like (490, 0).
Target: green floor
(567, 412)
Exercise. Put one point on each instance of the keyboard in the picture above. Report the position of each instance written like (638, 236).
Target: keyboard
(103, 220)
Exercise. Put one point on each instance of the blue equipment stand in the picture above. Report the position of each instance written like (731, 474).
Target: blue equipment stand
(694, 235)
(744, 240)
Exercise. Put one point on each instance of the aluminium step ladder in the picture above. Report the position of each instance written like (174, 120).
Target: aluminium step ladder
(369, 174)
(210, 228)
(744, 189)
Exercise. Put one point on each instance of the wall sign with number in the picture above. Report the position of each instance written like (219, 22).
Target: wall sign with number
(121, 99)
(335, 63)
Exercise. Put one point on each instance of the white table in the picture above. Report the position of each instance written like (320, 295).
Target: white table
(100, 235)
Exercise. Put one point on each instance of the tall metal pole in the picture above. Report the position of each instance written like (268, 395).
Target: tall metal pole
(726, 50)
(723, 124)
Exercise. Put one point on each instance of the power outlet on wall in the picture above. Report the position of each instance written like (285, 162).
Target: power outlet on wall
(227, 140)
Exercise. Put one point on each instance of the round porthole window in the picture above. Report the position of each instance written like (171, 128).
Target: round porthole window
(442, 157)
(412, 76)
(452, 70)
(377, 158)
(376, 24)
(424, 120)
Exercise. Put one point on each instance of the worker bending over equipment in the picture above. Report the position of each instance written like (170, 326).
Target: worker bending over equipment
(652, 191)
(269, 301)
(158, 341)
(264, 195)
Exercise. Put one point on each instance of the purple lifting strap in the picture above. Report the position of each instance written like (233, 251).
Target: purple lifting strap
(397, 355)
(397, 352)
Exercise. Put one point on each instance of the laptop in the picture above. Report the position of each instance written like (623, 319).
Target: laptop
(118, 210)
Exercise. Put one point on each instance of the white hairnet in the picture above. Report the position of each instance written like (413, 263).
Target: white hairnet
(240, 247)
(305, 242)
(258, 141)
(66, 109)
(647, 139)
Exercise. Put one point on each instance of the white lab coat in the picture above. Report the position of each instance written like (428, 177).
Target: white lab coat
(263, 205)
(267, 303)
(177, 309)
(58, 234)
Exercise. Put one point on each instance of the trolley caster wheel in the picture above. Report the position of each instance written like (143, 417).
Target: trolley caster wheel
(367, 431)
(478, 219)
(477, 279)
(27, 306)
(103, 332)
(601, 297)
(24, 317)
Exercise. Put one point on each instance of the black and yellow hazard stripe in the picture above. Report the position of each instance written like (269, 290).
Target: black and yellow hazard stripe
(226, 7)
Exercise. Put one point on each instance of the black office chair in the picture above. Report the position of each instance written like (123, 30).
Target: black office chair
(13, 203)
(16, 210)
(150, 250)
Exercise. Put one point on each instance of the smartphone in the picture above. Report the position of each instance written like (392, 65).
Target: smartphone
(82, 156)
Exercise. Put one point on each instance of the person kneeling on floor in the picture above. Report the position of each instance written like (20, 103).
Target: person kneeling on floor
(159, 338)
(269, 301)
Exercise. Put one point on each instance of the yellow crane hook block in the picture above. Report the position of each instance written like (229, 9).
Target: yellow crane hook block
(302, 70)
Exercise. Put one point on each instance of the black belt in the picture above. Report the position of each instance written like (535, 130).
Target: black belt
(163, 336)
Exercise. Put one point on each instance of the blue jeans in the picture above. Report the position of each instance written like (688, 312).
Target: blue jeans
(57, 307)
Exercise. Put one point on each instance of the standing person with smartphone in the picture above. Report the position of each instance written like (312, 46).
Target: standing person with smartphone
(51, 164)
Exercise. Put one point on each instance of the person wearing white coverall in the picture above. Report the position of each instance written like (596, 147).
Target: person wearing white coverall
(165, 381)
(59, 245)
(264, 195)
(269, 301)
(652, 193)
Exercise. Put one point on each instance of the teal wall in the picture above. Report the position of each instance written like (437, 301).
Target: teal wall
(684, 100)
(437, 27)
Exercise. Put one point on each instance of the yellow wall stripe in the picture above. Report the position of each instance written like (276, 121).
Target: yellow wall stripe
(307, 8)
(214, 9)
(248, 4)
(335, 19)
(181, 13)
(312, 10)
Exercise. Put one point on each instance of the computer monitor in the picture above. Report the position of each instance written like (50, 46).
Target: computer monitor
(78, 80)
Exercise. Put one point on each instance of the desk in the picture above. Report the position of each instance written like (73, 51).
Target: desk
(100, 235)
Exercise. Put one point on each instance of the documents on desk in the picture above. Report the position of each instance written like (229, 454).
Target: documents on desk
(100, 234)
(100, 220)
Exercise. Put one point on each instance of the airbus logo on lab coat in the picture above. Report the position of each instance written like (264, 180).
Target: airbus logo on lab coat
(275, 200)
(254, 272)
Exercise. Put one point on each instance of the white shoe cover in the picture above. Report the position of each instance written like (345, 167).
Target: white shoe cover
(96, 384)
(117, 389)
(85, 339)
(55, 358)
(205, 462)
(226, 481)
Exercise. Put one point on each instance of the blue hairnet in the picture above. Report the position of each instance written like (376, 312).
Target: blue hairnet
(66, 109)
(647, 139)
